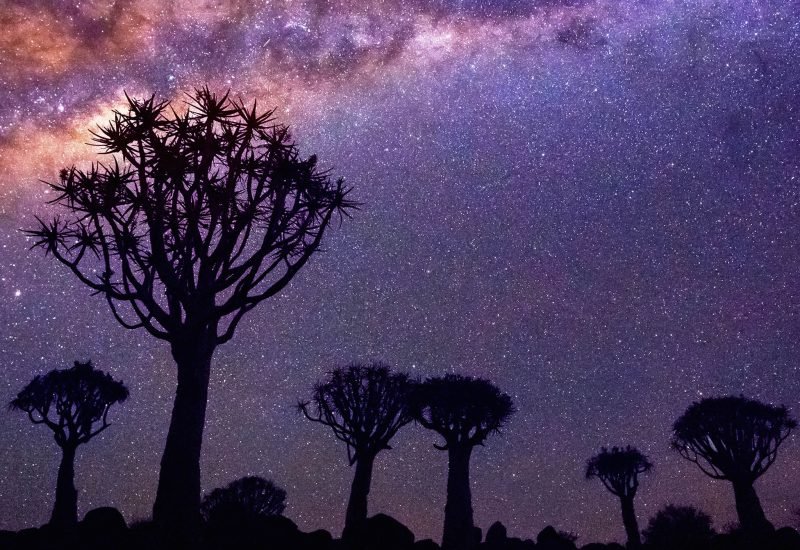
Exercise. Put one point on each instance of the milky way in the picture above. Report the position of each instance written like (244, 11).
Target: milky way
(595, 204)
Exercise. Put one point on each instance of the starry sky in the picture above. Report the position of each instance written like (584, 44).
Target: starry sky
(593, 203)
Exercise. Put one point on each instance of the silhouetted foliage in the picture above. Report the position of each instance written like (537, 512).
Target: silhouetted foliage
(735, 439)
(245, 499)
(204, 211)
(619, 471)
(364, 405)
(464, 411)
(551, 539)
(74, 404)
(681, 527)
(240, 514)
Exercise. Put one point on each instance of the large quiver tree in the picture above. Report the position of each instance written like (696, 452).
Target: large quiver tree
(74, 404)
(365, 406)
(464, 411)
(619, 471)
(205, 210)
(735, 439)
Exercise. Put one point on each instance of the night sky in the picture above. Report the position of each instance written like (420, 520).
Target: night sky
(595, 204)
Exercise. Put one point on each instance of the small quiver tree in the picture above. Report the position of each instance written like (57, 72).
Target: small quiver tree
(735, 439)
(365, 406)
(619, 471)
(74, 404)
(464, 411)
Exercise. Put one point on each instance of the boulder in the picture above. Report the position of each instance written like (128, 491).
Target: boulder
(496, 535)
(383, 532)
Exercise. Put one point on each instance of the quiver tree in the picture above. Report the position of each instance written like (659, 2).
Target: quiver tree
(204, 211)
(619, 471)
(364, 405)
(735, 439)
(74, 404)
(464, 411)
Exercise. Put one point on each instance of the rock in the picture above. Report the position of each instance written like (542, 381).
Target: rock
(497, 534)
(317, 540)
(383, 532)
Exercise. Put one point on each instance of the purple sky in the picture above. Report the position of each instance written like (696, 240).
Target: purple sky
(595, 204)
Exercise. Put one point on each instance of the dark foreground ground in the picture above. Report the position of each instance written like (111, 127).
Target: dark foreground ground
(106, 529)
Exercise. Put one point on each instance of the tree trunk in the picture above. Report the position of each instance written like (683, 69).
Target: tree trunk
(357, 506)
(458, 526)
(748, 507)
(65, 510)
(630, 523)
(177, 505)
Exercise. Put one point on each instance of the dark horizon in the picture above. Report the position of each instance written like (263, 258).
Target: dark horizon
(592, 204)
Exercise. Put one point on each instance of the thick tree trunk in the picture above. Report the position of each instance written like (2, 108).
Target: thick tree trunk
(357, 506)
(748, 507)
(65, 510)
(458, 525)
(176, 509)
(630, 523)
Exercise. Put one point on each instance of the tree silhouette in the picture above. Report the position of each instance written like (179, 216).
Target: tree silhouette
(464, 411)
(735, 439)
(203, 212)
(619, 471)
(364, 405)
(74, 404)
(247, 499)
(681, 527)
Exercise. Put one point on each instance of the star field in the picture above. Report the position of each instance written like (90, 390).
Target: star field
(593, 203)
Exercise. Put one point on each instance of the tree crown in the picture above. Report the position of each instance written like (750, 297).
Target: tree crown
(462, 409)
(71, 401)
(618, 469)
(203, 211)
(731, 437)
(365, 405)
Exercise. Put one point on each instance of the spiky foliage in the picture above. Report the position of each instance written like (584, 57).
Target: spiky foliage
(247, 499)
(462, 409)
(732, 438)
(618, 469)
(204, 210)
(73, 402)
(364, 404)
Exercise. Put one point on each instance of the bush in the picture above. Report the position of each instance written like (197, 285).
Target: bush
(244, 500)
(682, 527)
